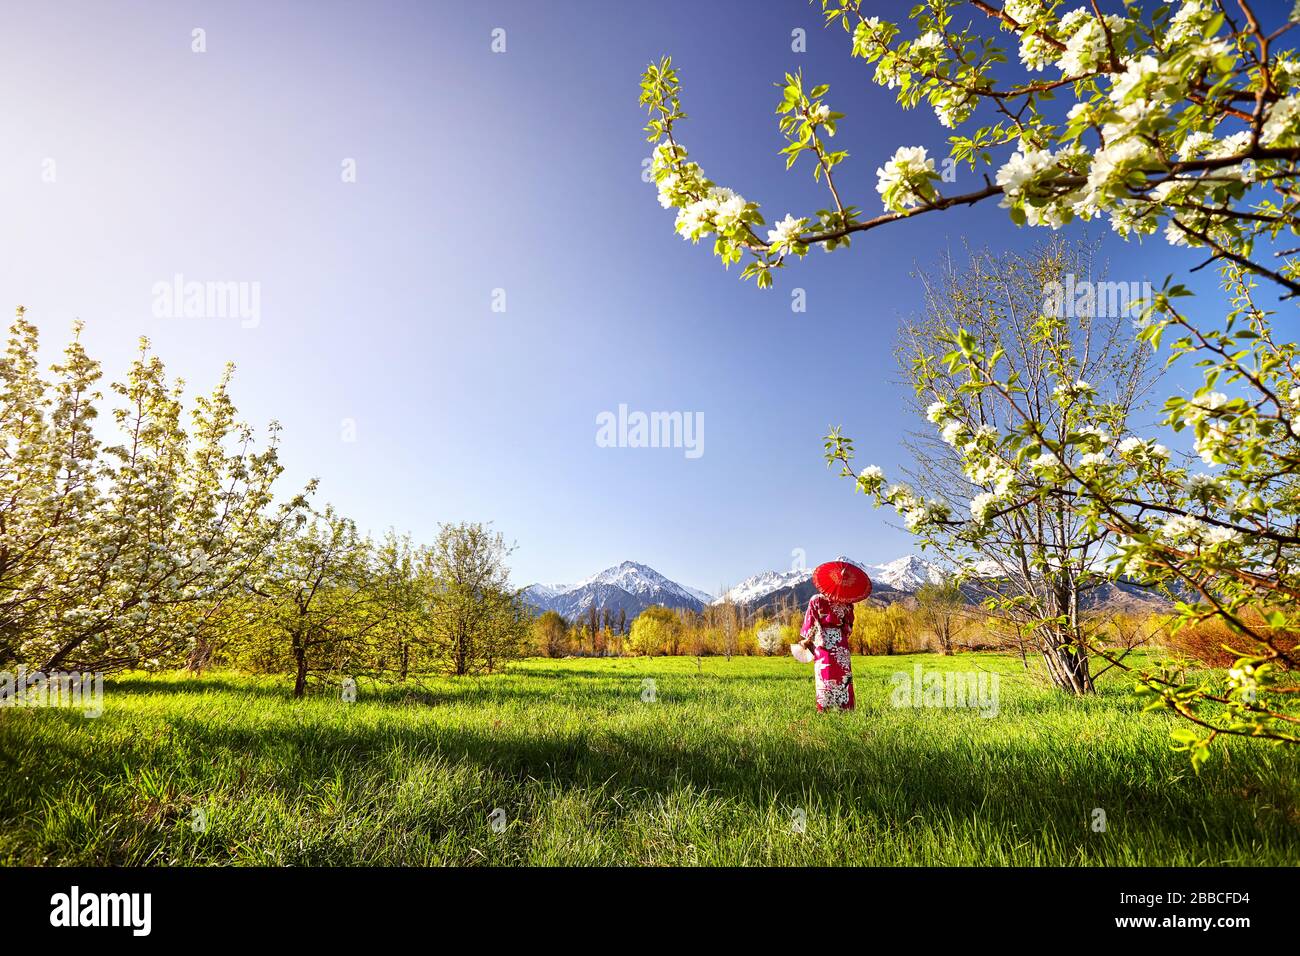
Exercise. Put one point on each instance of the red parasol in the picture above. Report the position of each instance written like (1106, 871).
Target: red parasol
(842, 581)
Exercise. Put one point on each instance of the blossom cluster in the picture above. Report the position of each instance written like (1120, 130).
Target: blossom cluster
(907, 179)
(1139, 100)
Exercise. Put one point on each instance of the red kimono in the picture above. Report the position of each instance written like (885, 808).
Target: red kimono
(832, 664)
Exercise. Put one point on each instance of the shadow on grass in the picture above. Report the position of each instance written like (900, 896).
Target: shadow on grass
(198, 685)
(613, 686)
(928, 780)
(893, 778)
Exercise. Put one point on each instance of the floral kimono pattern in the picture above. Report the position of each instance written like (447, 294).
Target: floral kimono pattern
(832, 664)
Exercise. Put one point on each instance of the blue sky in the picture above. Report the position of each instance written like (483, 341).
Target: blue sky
(478, 171)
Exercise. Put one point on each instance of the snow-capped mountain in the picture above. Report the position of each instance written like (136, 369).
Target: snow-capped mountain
(762, 584)
(906, 573)
(639, 579)
(548, 590)
(629, 587)
(704, 597)
(985, 568)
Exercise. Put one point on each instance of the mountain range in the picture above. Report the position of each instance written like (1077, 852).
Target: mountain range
(629, 587)
(904, 574)
(632, 587)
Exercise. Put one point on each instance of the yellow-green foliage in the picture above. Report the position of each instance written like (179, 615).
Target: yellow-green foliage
(890, 630)
(656, 630)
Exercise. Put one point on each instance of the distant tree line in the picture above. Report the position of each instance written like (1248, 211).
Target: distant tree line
(939, 618)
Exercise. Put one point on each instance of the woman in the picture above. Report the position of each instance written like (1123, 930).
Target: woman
(826, 630)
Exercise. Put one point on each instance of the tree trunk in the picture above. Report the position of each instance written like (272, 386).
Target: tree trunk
(460, 659)
(1069, 668)
(300, 658)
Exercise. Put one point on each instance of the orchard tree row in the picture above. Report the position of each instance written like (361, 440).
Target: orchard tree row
(159, 540)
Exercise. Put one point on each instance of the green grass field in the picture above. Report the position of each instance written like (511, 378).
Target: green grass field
(717, 770)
